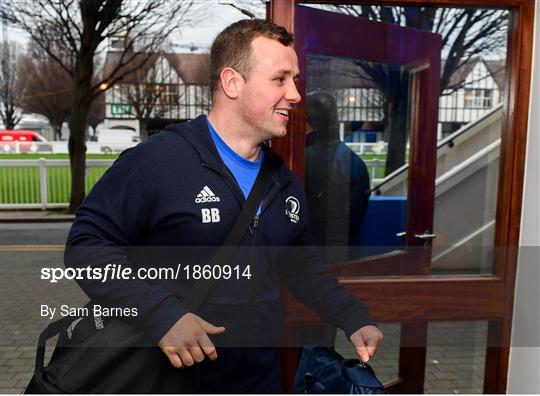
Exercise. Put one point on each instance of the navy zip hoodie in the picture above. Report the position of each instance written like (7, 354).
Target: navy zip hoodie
(144, 212)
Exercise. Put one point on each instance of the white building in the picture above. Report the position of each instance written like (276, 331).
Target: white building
(476, 89)
(168, 88)
(481, 83)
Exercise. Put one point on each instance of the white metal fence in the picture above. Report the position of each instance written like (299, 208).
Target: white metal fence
(376, 171)
(56, 147)
(18, 147)
(368, 148)
(42, 184)
(61, 147)
(46, 183)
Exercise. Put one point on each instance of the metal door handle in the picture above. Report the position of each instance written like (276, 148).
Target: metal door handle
(426, 235)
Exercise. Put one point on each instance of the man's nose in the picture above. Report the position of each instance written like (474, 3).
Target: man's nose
(293, 95)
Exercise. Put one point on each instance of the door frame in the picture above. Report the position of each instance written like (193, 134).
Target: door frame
(423, 62)
(488, 298)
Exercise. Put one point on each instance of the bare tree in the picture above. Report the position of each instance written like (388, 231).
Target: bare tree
(12, 88)
(466, 34)
(143, 91)
(158, 91)
(82, 28)
(255, 8)
(97, 112)
(49, 89)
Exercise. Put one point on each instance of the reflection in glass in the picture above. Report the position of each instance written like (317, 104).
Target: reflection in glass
(337, 182)
(470, 124)
(466, 197)
(357, 134)
(473, 75)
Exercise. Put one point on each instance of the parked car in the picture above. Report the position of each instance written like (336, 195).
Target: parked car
(23, 141)
(113, 141)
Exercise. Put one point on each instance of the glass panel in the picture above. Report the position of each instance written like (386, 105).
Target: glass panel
(466, 187)
(455, 356)
(473, 59)
(352, 118)
(455, 360)
(470, 122)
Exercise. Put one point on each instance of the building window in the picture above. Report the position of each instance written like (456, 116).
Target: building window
(478, 98)
(167, 94)
(170, 94)
(117, 43)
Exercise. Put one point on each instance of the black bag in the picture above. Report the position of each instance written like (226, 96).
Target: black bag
(322, 370)
(94, 355)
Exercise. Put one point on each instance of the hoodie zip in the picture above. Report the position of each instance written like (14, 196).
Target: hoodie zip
(230, 180)
(233, 184)
(254, 227)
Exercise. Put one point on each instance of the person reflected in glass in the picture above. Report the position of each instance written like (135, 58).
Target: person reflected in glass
(337, 183)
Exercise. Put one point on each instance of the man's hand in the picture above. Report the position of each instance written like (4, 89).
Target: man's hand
(366, 340)
(187, 341)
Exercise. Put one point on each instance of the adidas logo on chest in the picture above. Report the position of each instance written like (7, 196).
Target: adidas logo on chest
(206, 195)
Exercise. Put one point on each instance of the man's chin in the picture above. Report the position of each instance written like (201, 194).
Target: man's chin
(279, 133)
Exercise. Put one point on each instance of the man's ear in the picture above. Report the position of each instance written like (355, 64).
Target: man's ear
(230, 82)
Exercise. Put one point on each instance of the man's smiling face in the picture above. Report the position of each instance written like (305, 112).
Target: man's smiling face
(268, 94)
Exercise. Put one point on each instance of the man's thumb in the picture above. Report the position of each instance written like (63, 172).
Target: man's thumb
(210, 328)
(362, 352)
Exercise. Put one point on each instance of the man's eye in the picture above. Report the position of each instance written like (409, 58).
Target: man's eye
(280, 79)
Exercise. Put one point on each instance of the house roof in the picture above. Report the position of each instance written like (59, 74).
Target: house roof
(459, 75)
(495, 67)
(497, 70)
(333, 73)
(192, 68)
(325, 72)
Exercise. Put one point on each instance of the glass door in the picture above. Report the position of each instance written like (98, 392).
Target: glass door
(371, 109)
(370, 99)
(411, 279)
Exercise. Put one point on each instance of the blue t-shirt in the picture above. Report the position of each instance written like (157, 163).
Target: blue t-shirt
(244, 171)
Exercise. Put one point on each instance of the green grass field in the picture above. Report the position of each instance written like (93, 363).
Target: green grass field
(368, 157)
(379, 172)
(21, 185)
(54, 156)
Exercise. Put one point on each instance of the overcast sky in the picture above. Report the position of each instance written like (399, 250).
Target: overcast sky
(218, 16)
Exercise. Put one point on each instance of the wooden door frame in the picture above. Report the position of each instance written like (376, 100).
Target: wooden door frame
(423, 63)
(488, 298)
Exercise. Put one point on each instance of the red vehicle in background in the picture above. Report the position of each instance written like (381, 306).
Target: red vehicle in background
(23, 141)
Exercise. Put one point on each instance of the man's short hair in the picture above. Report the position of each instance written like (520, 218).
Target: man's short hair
(322, 114)
(232, 47)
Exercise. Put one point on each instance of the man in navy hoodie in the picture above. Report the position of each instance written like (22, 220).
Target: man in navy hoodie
(184, 187)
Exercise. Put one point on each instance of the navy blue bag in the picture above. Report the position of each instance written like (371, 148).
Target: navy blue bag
(322, 370)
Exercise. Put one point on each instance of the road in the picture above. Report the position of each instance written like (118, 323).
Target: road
(34, 233)
(23, 252)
